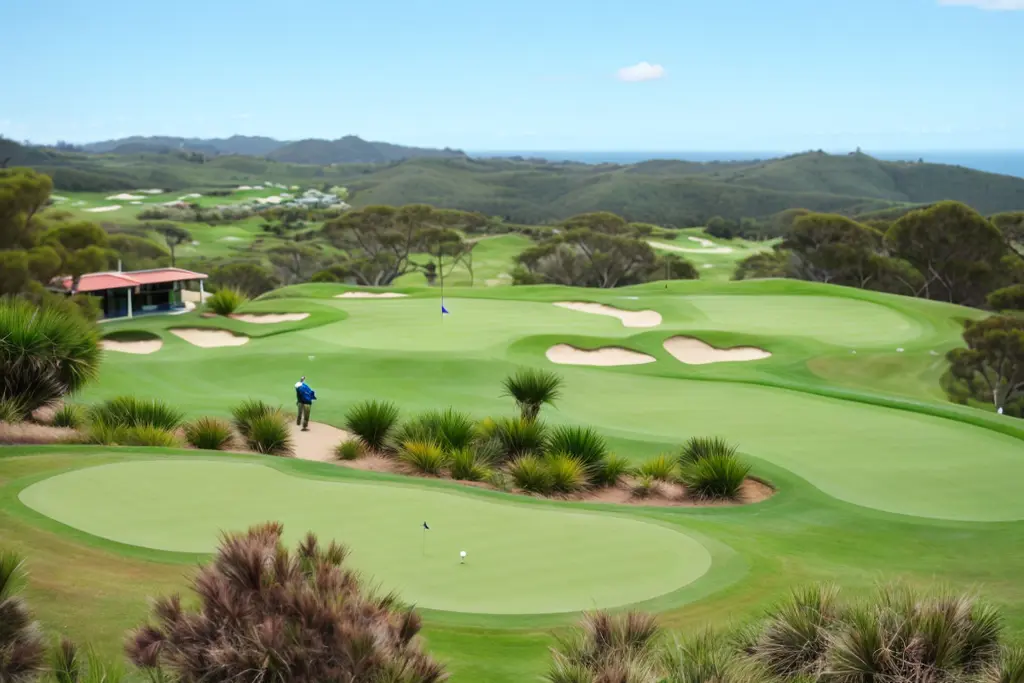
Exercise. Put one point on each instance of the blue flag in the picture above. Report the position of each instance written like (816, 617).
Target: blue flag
(444, 311)
(425, 526)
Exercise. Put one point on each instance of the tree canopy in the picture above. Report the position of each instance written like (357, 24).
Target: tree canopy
(993, 362)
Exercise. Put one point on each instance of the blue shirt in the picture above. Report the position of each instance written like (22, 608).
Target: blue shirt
(304, 394)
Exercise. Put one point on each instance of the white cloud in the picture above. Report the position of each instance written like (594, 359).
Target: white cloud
(987, 4)
(641, 72)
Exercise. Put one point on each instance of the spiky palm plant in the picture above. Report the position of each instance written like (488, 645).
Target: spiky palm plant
(519, 437)
(22, 649)
(372, 421)
(700, 447)
(715, 477)
(276, 616)
(620, 648)
(45, 354)
(583, 443)
(531, 389)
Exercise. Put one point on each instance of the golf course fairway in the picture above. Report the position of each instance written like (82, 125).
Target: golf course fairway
(521, 559)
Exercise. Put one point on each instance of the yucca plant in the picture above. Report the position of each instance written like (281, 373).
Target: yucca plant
(263, 610)
(613, 469)
(531, 473)
(519, 437)
(131, 411)
(603, 647)
(150, 436)
(45, 354)
(226, 301)
(583, 443)
(531, 389)
(660, 468)
(372, 421)
(424, 457)
(700, 447)
(22, 648)
(209, 433)
(466, 465)
(70, 416)
(568, 473)
(349, 449)
(248, 410)
(715, 477)
(270, 434)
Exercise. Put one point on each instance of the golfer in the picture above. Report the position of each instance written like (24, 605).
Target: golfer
(304, 397)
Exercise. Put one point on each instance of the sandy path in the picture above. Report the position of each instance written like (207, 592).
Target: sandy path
(370, 295)
(102, 209)
(628, 318)
(141, 347)
(609, 356)
(687, 250)
(209, 339)
(319, 442)
(268, 318)
(695, 352)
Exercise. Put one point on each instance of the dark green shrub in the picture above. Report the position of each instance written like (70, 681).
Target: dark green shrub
(715, 477)
(148, 435)
(568, 473)
(583, 443)
(130, 411)
(226, 301)
(519, 437)
(45, 354)
(70, 416)
(350, 449)
(248, 410)
(531, 389)
(612, 470)
(372, 421)
(700, 447)
(531, 473)
(448, 428)
(209, 433)
(270, 434)
(660, 468)
(424, 457)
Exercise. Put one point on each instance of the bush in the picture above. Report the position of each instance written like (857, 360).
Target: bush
(226, 301)
(606, 648)
(448, 428)
(715, 477)
(130, 411)
(466, 465)
(270, 434)
(660, 468)
(643, 487)
(700, 447)
(22, 644)
(612, 470)
(209, 433)
(425, 457)
(45, 353)
(583, 443)
(105, 434)
(248, 410)
(531, 389)
(350, 449)
(148, 435)
(794, 637)
(70, 416)
(12, 410)
(532, 474)
(568, 473)
(372, 421)
(519, 436)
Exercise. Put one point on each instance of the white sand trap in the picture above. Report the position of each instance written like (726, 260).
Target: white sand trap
(370, 295)
(151, 191)
(102, 209)
(209, 339)
(628, 318)
(609, 356)
(695, 352)
(58, 198)
(230, 238)
(268, 318)
(243, 188)
(707, 244)
(685, 250)
(134, 202)
(141, 347)
(124, 196)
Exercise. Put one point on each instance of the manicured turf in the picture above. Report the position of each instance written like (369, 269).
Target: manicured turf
(544, 560)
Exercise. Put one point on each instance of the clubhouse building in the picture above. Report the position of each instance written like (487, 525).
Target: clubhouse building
(124, 294)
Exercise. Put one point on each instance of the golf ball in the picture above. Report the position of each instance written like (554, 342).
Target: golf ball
(462, 554)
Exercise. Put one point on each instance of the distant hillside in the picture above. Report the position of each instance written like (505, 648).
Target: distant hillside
(665, 192)
(347, 150)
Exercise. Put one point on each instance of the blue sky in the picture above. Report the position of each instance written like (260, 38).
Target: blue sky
(781, 75)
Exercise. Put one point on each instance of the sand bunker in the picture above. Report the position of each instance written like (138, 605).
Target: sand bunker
(695, 352)
(686, 250)
(609, 356)
(268, 318)
(628, 318)
(151, 191)
(707, 244)
(208, 338)
(101, 209)
(141, 347)
(370, 295)
(123, 196)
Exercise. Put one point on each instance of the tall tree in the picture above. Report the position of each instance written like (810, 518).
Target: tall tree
(23, 194)
(954, 247)
(174, 235)
(297, 262)
(993, 359)
(1007, 299)
(832, 248)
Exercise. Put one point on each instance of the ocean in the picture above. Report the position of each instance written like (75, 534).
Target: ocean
(1006, 163)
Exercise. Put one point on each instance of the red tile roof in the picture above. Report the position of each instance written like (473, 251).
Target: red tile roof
(95, 282)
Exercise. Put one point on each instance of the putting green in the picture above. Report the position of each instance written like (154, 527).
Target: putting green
(522, 559)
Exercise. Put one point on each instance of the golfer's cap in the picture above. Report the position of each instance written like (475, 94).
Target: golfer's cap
(298, 384)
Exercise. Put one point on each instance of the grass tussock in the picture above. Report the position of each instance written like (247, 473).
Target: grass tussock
(349, 449)
(12, 410)
(660, 468)
(209, 433)
(149, 436)
(70, 416)
(424, 457)
(568, 473)
(226, 301)
(270, 434)
(466, 464)
(373, 421)
(715, 477)
(583, 443)
(531, 474)
(519, 437)
(131, 411)
(249, 410)
(644, 487)
(699, 447)
(613, 470)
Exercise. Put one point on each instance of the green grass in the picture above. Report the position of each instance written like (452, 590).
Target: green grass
(877, 477)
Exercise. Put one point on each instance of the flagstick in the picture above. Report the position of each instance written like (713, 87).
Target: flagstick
(424, 542)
